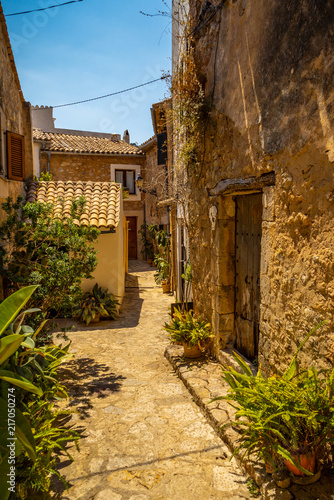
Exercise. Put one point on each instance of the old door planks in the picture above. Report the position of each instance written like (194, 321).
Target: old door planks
(248, 252)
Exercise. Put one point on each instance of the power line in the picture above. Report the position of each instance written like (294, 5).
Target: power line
(44, 8)
(107, 95)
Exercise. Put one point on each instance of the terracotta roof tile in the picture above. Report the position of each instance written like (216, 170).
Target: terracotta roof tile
(69, 143)
(102, 200)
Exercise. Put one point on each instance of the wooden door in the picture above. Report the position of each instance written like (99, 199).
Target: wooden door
(248, 253)
(132, 237)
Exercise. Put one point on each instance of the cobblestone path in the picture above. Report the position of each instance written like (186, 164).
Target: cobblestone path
(143, 436)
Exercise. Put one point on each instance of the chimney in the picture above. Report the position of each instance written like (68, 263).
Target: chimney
(126, 136)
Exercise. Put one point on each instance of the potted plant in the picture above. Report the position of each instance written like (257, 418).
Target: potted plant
(95, 303)
(162, 274)
(284, 419)
(185, 304)
(194, 334)
(148, 249)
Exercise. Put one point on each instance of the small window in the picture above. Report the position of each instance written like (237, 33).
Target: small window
(127, 178)
(15, 156)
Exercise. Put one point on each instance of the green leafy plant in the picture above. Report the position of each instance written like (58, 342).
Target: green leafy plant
(45, 176)
(148, 249)
(28, 383)
(95, 303)
(185, 328)
(282, 417)
(51, 437)
(163, 266)
(162, 239)
(253, 488)
(39, 249)
(187, 277)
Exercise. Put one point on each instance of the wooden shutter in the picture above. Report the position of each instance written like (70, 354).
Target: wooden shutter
(15, 156)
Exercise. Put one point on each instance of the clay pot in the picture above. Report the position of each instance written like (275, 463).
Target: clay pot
(165, 286)
(191, 351)
(306, 461)
(96, 319)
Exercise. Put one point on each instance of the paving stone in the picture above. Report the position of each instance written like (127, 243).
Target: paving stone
(219, 413)
(107, 495)
(143, 437)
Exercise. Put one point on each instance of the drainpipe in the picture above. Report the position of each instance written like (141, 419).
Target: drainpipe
(144, 210)
(49, 159)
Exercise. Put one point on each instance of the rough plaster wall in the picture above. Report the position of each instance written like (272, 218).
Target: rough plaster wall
(10, 97)
(17, 113)
(268, 76)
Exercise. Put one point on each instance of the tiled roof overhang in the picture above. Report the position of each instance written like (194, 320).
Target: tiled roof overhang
(68, 143)
(102, 208)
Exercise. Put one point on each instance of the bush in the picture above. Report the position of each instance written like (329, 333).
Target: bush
(283, 417)
(42, 250)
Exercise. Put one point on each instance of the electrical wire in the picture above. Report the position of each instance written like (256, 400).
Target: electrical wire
(107, 95)
(44, 8)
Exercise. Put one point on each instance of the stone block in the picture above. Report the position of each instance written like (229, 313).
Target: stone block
(226, 230)
(270, 491)
(224, 299)
(268, 201)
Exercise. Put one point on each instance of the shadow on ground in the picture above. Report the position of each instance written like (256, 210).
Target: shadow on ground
(84, 379)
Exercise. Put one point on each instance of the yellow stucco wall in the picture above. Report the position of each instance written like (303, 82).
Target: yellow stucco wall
(110, 270)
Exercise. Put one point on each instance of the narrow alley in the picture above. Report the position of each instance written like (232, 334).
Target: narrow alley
(142, 435)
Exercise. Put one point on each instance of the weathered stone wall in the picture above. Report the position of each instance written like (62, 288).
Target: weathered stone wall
(15, 115)
(84, 167)
(154, 176)
(267, 72)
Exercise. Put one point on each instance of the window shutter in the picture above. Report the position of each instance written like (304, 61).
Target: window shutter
(15, 156)
(162, 148)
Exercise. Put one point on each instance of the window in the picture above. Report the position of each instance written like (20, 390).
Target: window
(15, 156)
(127, 178)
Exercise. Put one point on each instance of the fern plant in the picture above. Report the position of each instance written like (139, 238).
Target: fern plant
(282, 417)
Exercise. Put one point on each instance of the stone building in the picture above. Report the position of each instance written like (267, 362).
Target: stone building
(155, 171)
(16, 165)
(262, 190)
(78, 155)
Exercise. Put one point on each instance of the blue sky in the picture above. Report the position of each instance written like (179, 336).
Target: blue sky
(88, 49)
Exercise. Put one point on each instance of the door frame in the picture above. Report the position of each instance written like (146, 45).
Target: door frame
(224, 271)
(133, 217)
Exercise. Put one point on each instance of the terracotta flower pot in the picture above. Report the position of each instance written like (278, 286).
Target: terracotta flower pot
(306, 461)
(165, 287)
(96, 319)
(191, 351)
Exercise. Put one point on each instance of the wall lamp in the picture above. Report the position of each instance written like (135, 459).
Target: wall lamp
(139, 185)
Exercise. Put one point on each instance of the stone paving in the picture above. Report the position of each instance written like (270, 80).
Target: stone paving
(203, 380)
(143, 436)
